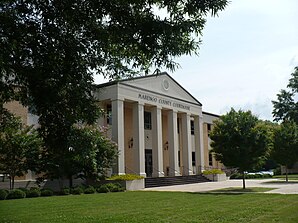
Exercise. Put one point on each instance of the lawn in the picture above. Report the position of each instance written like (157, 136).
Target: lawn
(153, 207)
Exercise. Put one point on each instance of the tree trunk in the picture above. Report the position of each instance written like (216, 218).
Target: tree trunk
(287, 179)
(243, 179)
(12, 182)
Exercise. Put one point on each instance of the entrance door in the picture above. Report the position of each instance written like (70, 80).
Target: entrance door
(148, 162)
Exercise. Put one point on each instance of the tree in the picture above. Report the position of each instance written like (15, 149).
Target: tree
(51, 49)
(240, 140)
(19, 147)
(285, 149)
(90, 153)
(286, 106)
(285, 109)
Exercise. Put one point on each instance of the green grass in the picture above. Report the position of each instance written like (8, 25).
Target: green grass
(290, 176)
(153, 207)
(241, 190)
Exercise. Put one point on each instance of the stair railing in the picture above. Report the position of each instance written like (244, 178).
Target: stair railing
(175, 171)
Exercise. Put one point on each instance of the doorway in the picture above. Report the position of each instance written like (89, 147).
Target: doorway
(148, 162)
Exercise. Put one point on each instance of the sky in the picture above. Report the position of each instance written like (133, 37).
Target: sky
(247, 56)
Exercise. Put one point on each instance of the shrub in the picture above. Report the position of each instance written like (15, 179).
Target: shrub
(114, 187)
(89, 190)
(46, 193)
(77, 191)
(23, 189)
(126, 177)
(33, 193)
(103, 189)
(250, 176)
(65, 191)
(214, 171)
(3, 194)
(16, 194)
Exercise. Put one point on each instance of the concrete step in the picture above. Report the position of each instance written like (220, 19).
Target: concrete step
(178, 180)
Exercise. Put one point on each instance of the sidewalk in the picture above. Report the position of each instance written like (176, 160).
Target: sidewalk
(281, 186)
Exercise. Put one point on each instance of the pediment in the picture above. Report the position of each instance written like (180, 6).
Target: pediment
(163, 84)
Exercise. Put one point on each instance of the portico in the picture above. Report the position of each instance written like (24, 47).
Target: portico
(157, 125)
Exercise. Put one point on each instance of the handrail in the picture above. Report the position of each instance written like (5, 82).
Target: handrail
(130, 170)
(162, 173)
(176, 171)
(189, 170)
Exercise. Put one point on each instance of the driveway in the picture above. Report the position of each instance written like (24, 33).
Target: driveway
(281, 186)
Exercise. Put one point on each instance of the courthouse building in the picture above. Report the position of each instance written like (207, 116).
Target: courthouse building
(159, 126)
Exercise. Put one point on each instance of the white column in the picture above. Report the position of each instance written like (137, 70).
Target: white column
(186, 144)
(173, 143)
(199, 144)
(157, 152)
(118, 133)
(138, 138)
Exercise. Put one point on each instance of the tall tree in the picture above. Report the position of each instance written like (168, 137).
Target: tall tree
(20, 147)
(285, 149)
(240, 140)
(50, 50)
(286, 106)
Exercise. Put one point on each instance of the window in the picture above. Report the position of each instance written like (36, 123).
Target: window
(178, 125)
(209, 129)
(147, 120)
(179, 158)
(192, 127)
(210, 159)
(109, 114)
(193, 158)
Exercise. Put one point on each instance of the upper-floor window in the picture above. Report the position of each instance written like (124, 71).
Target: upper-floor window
(192, 127)
(109, 114)
(147, 120)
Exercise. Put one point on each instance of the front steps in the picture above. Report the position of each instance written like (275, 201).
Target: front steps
(178, 180)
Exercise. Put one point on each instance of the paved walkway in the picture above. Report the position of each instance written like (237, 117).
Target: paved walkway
(281, 186)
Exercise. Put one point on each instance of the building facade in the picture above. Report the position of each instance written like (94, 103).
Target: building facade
(159, 127)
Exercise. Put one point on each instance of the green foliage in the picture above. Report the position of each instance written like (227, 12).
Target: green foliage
(77, 190)
(16, 194)
(213, 171)
(240, 140)
(3, 194)
(46, 193)
(286, 106)
(285, 150)
(52, 49)
(65, 191)
(20, 146)
(102, 189)
(35, 192)
(92, 152)
(89, 190)
(126, 177)
(114, 187)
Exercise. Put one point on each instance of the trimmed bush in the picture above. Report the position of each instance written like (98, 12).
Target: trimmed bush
(46, 193)
(126, 177)
(16, 194)
(103, 189)
(250, 176)
(114, 187)
(3, 194)
(77, 191)
(64, 191)
(89, 190)
(214, 171)
(33, 193)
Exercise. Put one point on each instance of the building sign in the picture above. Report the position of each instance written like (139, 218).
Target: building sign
(162, 101)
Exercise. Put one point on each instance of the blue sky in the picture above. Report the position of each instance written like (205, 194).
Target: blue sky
(247, 56)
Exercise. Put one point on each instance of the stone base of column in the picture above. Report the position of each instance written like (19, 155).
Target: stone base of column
(159, 174)
(143, 174)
